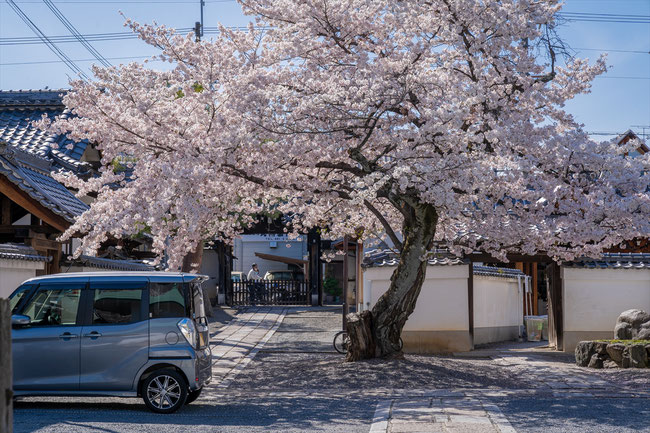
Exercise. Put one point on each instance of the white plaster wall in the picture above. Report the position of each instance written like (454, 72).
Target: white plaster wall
(496, 302)
(594, 298)
(442, 304)
(14, 272)
(246, 246)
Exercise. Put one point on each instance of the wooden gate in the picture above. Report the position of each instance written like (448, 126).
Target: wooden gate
(271, 293)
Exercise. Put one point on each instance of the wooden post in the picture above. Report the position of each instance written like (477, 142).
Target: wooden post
(6, 393)
(555, 307)
(470, 302)
(346, 305)
(534, 283)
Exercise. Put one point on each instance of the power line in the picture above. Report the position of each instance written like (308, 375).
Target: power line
(613, 50)
(76, 33)
(115, 36)
(43, 62)
(60, 54)
(129, 1)
(605, 18)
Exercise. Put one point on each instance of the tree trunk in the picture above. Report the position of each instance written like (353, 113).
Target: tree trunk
(6, 393)
(192, 263)
(388, 316)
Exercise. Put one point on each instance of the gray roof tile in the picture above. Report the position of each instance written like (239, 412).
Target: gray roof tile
(118, 265)
(28, 155)
(21, 252)
(613, 261)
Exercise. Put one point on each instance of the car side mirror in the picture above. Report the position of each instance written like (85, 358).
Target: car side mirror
(18, 320)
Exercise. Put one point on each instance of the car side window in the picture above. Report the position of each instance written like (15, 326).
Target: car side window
(17, 296)
(116, 306)
(167, 300)
(54, 306)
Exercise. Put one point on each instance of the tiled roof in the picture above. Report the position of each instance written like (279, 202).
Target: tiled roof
(21, 252)
(613, 261)
(380, 258)
(28, 155)
(492, 271)
(18, 109)
(31, 173)
(383, 258)
(117, 265)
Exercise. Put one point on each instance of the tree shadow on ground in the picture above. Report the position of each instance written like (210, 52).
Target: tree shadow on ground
(535, 414)
(253, 414)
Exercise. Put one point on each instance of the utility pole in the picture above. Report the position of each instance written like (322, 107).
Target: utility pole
(198, 26)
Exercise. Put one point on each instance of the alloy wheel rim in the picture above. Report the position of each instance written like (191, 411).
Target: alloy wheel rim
(164, 392)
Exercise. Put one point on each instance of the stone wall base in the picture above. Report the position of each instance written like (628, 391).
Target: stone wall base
(572, 338)
(494, 334)
(436, 341)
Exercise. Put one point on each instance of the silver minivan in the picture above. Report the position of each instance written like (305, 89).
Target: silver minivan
(125, 334)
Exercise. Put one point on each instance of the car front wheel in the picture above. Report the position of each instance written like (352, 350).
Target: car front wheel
(164, 391)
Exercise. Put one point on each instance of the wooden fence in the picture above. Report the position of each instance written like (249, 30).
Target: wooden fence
(271, 293)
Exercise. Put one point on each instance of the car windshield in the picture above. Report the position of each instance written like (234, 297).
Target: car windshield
(17, 296)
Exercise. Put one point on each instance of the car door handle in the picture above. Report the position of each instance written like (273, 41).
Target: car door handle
(93, 334)
(67, 336)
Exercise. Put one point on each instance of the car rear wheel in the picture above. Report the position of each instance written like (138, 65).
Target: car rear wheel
(193, 395)
(165, 391)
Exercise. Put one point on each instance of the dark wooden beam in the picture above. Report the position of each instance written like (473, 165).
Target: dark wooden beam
(8, 229)
(6, 210)
(32, 206)
(522, 258)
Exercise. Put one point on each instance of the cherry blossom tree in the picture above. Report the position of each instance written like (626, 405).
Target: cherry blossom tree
(419, 121)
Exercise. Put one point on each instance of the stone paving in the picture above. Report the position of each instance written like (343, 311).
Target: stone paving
(236, 344)
(439, 414)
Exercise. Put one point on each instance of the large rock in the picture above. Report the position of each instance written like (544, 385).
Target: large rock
(601, 348)
(632, 325)
(634, 317)
(644, 331)
(615, 352)
(596, 361)
(609, 364)
(584, 351)
(623, 331)
(638, 356)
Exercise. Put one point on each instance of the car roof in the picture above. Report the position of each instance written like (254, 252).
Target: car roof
(117, 275)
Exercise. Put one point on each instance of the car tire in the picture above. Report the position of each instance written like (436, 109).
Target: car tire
(193, 395)
(165, 391)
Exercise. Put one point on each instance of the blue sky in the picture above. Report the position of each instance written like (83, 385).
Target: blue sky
(618, 101)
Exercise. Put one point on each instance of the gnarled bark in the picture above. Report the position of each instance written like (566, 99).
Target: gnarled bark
(388, 316)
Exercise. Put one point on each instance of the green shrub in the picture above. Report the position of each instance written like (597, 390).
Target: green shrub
(331, 286)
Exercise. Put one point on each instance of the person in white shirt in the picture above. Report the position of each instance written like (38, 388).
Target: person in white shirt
(255, 284)
(254, 273)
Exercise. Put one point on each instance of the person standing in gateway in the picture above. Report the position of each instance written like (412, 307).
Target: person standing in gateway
(255, 284)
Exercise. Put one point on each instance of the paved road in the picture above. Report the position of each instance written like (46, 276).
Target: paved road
(276, 371)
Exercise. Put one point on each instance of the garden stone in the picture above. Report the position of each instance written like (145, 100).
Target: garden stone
(644, 334)
(608, 363)
(634, 317)
(625, 362)
(638, 356)
(632, 324)
(623, 331)
(601, 348)
(584, 351)
(595, 361)
(615, 351)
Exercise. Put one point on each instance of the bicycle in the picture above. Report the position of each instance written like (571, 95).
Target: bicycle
(341, 341)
